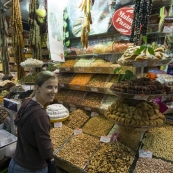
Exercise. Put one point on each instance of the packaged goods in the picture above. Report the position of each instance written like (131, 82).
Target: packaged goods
(108, 101)
(81, 79)
(80, 148)
(153, 165)
(76, 119)
(98, 80)
(159, 141)
(135, 113)
(93, 100)
(98, 126)
(111, 158)
(65, 78)
(75, 97)
(60, 135)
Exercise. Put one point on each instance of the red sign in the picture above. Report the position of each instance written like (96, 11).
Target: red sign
(122, 20)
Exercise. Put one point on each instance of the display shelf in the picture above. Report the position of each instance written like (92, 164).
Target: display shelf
(146, 97)
(94, 55)
(144, 63)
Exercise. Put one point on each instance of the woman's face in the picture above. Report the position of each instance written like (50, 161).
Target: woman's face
(47, 91)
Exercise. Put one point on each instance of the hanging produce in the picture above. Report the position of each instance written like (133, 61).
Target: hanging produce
(3, 42)
(17, 36)
(35, 15)
(141, 16)
(85, 6)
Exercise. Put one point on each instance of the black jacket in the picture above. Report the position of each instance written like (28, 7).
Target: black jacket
(34, 143)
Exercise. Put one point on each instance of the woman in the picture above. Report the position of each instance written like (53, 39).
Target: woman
(34, 145)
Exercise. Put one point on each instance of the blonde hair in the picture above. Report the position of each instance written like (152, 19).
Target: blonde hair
(42, 77)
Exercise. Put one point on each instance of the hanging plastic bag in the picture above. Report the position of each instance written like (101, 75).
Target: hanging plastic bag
(41, 12)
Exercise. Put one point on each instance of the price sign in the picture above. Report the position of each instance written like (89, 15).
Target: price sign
(93, 114)
(61, 85)
(140, 97)
(80, 69)
(87, 108)
(140, 63)
(98, 69)
(67, 69)
(28, 87)
(94, 89)
(145, 154)
(105, 139)
(168, 29)
(58, 124)
(77, 131)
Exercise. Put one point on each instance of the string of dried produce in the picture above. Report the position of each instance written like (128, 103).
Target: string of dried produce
(141, 16)
(3, 42)
(17, 36)
(35, 35)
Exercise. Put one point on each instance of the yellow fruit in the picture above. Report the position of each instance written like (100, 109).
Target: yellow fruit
(41, 12)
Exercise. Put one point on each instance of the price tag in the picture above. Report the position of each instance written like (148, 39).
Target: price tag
(80, 69)
(105, 139)
(58, 124)
(98, 69)
(67, 69)
(77, 131)
(93, 114)
(61, 85)
(87, 108)
(77, 87)
(140, 63)
(27, 87)
(140, 97)
(167, 29)
(145, 154)
(94, 89)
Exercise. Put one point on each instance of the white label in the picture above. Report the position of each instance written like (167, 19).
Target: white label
(87, 108)
(67, 69)
(27, 87)
(80, 69)
(105, 139)
(140, 63)
(58, 124)
(140, 97)
(77, 87)
(77, 131)
(93, 114)
(167, 29)
(61, 85)
(98, 69)
(94, 89)
(145, 154)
